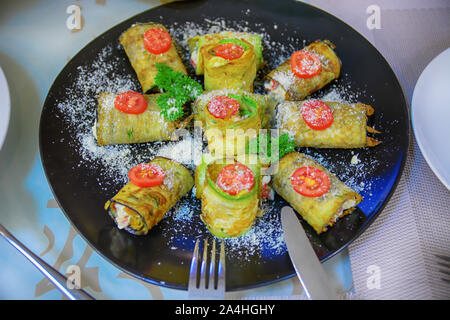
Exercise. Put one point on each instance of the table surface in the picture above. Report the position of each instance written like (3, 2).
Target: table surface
(35, 45)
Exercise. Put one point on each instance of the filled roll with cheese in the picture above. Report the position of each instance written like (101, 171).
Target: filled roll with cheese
(147, 44)
(227, 62)
(197, 43)
(230, 193)
(313, 191)
(154, 188)
(229, 118)
(117, 126)
(325, 124)
(307, 71)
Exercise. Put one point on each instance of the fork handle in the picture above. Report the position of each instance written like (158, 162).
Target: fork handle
(53, 275)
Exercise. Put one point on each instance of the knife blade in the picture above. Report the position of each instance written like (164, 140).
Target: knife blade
(310, 271)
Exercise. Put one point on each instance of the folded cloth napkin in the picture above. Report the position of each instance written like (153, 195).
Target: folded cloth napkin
(395, 258)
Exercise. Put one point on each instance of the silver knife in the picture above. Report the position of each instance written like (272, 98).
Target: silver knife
(310, 272)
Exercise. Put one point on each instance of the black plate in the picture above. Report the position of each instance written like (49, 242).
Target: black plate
(81, 186)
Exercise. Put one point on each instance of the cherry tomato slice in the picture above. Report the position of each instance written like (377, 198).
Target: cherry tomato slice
(157, 40)
(317, 114)
(310, 181)
(130, 102)
(223, 107)
(229, 51)
(235, 178)
(305, 64)
(146, 175)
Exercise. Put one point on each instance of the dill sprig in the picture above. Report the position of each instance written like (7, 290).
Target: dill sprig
(178, 89)
(263, 146)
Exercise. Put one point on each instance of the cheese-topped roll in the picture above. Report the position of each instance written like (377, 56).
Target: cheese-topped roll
(230, 118)
(325, 124)
(147, 44)
(153, 189)
(307, 71)
(130, 117)
(230, 193)
(313, 191)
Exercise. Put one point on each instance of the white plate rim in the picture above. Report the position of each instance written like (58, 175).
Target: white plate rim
(5, 107)
(415, 120)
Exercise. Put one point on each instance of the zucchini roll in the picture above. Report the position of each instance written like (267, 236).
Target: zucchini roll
(230, 192)
(323, 124)
(154, 188)
(227, 62)
(118, 126)
(313, 191)
(230, 118)
(307, 71)
(147, 44)
(196, 43)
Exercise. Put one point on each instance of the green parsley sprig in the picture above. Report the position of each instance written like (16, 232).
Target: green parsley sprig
(179, 89)
(263, 146)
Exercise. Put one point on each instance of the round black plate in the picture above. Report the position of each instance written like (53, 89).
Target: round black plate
(163, 256)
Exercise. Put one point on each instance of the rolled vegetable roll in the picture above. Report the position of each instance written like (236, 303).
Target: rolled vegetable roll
(197, 43)
(230, 192)
(154, 188)
(307, 71)
(325, 124)
(147, 44)
(313, 191)
(232, 112)
(130, 117)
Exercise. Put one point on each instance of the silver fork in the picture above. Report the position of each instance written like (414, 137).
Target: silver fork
(444, 267)
(202, 283)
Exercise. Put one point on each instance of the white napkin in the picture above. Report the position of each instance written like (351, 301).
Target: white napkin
(395, 257)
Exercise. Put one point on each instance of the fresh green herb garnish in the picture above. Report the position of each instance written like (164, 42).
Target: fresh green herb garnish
(263, 146)
(179, 89)
(130, 133)
(247, 106)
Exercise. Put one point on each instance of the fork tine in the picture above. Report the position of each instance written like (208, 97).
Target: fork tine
(194, 268)
(212, 266)
(221, 269)
(203, 282)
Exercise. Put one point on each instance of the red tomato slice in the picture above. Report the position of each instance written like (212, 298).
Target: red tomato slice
(146, 175)
(317, 114)
(157, 40)
(229, 51)
(130, 102)
(310, 182)
(223, 107)
(235, 178)
(305, 64)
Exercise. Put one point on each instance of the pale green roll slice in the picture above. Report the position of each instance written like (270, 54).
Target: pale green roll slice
(226, 215)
